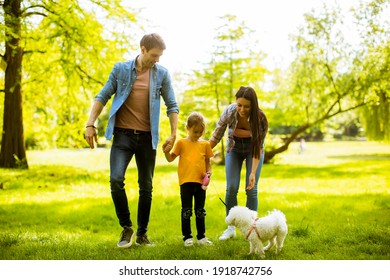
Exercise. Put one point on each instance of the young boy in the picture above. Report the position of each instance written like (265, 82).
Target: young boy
(194, 164)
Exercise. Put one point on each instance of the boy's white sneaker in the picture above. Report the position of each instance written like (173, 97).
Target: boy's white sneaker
(205, 241)
(188, 242)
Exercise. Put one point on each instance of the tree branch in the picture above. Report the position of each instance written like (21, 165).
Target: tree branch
(34, 14)
(331, 77)
(270, 154)
(88, 76)
(24, 12)
(32, 51)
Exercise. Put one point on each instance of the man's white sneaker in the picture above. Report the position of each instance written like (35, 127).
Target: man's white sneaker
(228, 233)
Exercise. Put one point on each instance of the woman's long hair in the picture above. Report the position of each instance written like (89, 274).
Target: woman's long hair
(254, 118)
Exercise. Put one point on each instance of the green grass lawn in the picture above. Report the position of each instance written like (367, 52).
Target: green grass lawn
(336, 197)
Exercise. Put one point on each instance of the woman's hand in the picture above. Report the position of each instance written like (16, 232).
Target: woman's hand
(252, 180)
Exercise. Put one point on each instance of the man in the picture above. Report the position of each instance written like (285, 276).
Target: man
(134, 121)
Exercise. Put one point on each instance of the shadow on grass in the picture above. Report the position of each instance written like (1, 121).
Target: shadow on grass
(88, 229)
(371, 157)
(322, 226)
(345, 170)
(43, 176)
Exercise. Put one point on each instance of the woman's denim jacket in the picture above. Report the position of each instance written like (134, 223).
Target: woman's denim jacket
(120, 84)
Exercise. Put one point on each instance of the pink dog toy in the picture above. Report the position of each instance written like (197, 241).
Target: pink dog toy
(205, 181)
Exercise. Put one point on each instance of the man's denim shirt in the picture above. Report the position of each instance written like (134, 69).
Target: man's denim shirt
(120, 84)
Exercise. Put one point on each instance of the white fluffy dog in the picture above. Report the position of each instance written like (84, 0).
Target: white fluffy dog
(271, 228)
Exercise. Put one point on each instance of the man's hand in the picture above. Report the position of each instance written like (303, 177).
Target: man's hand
(91, 136)
(168, 145)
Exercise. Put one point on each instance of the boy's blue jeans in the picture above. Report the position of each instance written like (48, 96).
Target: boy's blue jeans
(125, 145)
(234, 160)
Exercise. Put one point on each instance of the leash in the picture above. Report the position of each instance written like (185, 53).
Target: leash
(253, 227)
(215, 189)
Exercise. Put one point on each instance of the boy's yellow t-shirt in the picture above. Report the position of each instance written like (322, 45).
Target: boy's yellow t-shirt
(192, 159)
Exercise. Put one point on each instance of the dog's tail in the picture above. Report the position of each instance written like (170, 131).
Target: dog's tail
(278, 215)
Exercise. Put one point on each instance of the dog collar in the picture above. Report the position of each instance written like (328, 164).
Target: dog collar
(253, 228)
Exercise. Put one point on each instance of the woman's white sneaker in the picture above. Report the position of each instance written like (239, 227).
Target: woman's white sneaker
(228, 233)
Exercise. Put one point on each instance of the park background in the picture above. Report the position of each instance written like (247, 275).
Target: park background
(332, 91)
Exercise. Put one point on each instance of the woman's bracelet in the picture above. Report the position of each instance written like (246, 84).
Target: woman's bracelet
(91, 125)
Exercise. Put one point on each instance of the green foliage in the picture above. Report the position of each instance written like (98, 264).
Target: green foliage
(335, 197)
(373, 64)
(376, 116)
(333, 75)
(231, 66)
(69, 49)
(330, 76)
(71, 46)
(309, 92)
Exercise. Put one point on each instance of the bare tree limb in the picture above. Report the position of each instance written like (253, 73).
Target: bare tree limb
(25, 13)
(88, 76)
(34, 14)
(34, 51)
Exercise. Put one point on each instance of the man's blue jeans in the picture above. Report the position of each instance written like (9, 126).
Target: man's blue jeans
(234, 160)
(125, 145)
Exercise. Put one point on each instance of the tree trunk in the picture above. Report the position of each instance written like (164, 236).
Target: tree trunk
(13, 151)
(329, 114)
(271, 154)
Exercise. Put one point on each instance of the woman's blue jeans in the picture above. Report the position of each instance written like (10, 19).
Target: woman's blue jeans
(127, 144)
(234, 161)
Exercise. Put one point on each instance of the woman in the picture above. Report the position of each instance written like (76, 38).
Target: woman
(248, 126)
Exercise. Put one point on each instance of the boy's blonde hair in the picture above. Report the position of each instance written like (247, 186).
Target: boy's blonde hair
(194, 119)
